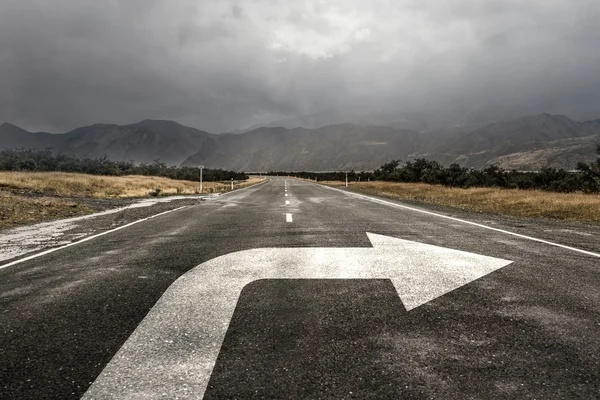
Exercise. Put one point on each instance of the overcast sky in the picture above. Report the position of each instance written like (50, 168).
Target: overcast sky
(223, 65)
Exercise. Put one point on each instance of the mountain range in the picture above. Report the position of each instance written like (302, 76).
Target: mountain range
(527, 143)
(144, 141)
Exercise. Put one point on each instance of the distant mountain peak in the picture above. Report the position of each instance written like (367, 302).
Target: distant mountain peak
(158, 122)
(540, 116)
(7, 126)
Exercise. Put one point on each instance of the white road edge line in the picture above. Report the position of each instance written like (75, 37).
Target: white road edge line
(43, 253)
(389, 203)
(288, 217)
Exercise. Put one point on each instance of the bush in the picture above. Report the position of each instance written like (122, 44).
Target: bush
(154, 192)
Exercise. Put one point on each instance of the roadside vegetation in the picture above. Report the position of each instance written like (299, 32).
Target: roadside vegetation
(27, 197)
(62, 184)
(16, 210)
(513, 202)
(48, 161)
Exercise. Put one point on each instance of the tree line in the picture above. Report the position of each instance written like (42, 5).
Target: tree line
(585, 179)
(46, 160)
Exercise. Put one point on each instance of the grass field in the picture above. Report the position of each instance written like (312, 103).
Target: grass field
(94, 186)
(27, 197)
(520, 203)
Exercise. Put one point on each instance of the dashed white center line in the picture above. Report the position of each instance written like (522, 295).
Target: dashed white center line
(287, 202)
(288, 217)
(286, 195)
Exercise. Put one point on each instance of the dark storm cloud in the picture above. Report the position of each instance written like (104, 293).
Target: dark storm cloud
(223, 65)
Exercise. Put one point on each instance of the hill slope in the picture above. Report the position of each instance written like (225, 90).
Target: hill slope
(550, 140)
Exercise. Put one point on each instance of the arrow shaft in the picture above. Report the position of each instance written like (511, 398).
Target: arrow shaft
(195, 313)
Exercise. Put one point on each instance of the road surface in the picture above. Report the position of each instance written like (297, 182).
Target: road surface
(313, 315)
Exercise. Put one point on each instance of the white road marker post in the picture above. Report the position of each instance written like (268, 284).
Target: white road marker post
(346, 179)
(201, 167)
(231, 183)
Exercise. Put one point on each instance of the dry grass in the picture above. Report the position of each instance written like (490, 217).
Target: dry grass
(28, 197)
(93, 186)
(19, 210)
(520, 203)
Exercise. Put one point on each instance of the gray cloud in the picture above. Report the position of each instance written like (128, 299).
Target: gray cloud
(224, 65)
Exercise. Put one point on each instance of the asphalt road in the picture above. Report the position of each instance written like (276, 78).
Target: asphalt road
(530, 329)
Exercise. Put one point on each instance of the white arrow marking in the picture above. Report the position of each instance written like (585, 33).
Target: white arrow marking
(173, 350)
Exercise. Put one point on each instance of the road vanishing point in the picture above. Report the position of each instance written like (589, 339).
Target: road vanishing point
(293, 290)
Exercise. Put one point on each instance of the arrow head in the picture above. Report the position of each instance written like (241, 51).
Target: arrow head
(423, 272)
